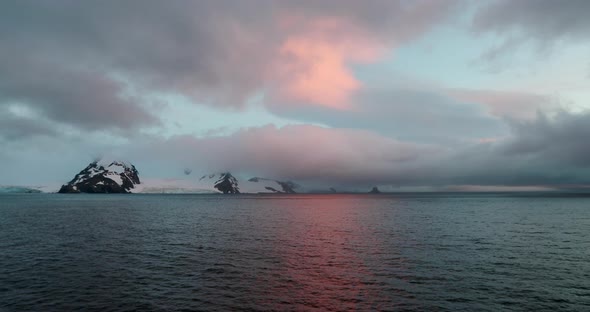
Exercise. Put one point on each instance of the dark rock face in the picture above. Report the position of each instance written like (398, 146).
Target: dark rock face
(287, 187)
(375, 190)
(101, 177)
(227, 184)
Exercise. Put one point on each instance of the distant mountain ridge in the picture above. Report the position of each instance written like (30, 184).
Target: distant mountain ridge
(226, 183)
(114, 176)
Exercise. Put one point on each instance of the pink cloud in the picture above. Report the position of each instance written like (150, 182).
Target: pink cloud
(313, 62)
(488, 140)
(299, 152)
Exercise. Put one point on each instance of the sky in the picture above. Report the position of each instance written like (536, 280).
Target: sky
(439, 94)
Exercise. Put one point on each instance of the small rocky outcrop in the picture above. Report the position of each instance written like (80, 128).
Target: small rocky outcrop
(104, 177)
(375, 190)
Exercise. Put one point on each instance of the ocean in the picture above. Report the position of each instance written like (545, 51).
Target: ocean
(398, 252)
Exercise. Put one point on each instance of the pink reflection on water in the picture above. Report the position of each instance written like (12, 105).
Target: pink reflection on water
(323, 246)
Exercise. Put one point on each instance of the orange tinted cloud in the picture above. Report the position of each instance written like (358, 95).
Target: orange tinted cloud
(312, 64)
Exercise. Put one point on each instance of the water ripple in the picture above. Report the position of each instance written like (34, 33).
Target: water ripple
(294, 253)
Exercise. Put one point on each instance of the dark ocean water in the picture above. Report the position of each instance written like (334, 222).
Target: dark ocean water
(414, 252)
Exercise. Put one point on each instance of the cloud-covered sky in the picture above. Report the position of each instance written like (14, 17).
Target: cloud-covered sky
(422, 93)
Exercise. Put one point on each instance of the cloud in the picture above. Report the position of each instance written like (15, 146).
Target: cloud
(321, 42)
(15, 127)
(79, 97)
(300, 152)
(543, 20)
(81, 63)
(312, 66)
(540, 153)
(422, 115)
(95, 68)
(561, 139)
(506, 104)
(545, 152)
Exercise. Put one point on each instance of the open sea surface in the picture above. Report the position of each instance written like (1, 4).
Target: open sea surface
(406, 252)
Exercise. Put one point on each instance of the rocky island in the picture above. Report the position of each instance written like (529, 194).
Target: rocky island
(104, 177)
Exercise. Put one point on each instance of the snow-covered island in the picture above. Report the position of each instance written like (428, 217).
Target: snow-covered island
(104, 177)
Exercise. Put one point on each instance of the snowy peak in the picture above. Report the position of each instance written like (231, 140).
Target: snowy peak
(276, 186)
(225, 182)
(104, 177)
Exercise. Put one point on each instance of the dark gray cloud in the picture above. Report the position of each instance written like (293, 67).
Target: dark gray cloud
(81, 97)
(543, 20)
(549, 150)
(562, 138)
(14, 127)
